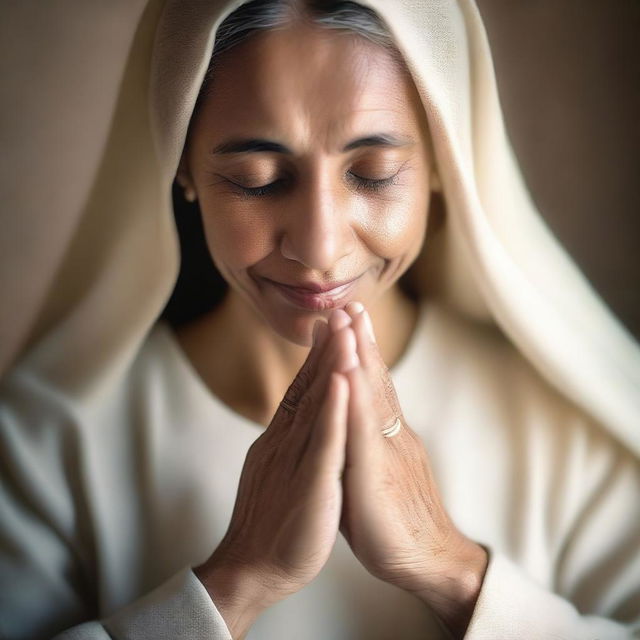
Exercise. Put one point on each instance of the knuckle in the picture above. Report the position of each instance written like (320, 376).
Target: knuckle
(306, 407)
(299, 385)
(306, 404)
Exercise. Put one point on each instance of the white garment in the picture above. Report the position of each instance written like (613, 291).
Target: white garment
(146, 496)
(92, 256)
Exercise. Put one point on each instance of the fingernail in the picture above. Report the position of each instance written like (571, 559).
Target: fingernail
(339, 319)
(369, 326)
(355, 307)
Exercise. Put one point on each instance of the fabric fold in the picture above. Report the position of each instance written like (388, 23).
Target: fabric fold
(511, 605)
(179, 609)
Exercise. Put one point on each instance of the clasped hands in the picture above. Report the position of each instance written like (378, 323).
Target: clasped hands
(323, 466)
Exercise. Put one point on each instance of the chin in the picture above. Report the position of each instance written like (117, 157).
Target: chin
(296, 327)
(290, 321)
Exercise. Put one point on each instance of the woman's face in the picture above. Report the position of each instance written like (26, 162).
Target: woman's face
(309, 161)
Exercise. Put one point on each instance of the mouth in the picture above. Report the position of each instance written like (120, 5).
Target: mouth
(316, 297)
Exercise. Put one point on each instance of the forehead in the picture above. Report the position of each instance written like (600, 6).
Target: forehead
(313, 85)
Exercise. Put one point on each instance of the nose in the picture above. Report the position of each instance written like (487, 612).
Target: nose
(317, 227)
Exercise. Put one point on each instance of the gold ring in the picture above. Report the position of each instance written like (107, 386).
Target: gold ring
(393, 430)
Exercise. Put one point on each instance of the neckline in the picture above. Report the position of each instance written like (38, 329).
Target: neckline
(398, 372)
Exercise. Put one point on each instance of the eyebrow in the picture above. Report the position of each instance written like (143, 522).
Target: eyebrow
(378, 140)
(253, 145)
(258, 145)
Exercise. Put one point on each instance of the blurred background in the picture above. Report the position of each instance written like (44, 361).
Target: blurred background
(569, 78)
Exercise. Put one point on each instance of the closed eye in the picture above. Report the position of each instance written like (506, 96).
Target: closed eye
(371, 184)
(262, 190)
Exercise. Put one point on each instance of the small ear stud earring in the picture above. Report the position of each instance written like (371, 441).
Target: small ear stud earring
(189, 194)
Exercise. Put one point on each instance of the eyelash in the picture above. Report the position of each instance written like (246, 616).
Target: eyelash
(359, 182)
(371, 185)
(265, 190)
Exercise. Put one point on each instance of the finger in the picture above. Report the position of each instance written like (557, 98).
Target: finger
(364, 438)
(368, 351)
(324, 455)
(339, 357)
(287, 408)
(386, 399)
(339, 319)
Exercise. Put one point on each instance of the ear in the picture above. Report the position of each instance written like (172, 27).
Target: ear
(183, 176)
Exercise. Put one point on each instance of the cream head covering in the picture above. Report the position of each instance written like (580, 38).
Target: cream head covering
(106, 246)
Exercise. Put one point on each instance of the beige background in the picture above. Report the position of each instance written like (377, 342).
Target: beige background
(569, 78)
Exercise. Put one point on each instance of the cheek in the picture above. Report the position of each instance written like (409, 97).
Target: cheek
(236, 238)
(396, 226)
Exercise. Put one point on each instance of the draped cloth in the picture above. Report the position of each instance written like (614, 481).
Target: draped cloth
(99, 104)
(92, 143)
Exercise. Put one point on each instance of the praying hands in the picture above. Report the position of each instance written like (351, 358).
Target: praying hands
(338, 456)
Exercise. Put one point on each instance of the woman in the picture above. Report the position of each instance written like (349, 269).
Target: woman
(313, 165)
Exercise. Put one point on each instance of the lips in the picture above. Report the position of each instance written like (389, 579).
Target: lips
(316, 297)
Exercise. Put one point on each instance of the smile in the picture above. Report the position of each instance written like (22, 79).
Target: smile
(314, 297)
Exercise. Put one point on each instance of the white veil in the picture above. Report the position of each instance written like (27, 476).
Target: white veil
(110, 256)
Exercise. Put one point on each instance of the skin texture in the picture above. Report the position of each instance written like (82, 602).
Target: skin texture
(313, 92)
(313, 215)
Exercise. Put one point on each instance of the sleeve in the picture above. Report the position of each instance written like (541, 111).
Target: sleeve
(593, 591)
(512, 605)
(179, 609)
(48, 570)
(44, 587)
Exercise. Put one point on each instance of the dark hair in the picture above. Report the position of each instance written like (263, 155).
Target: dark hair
(261, 15)
(257, 16)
